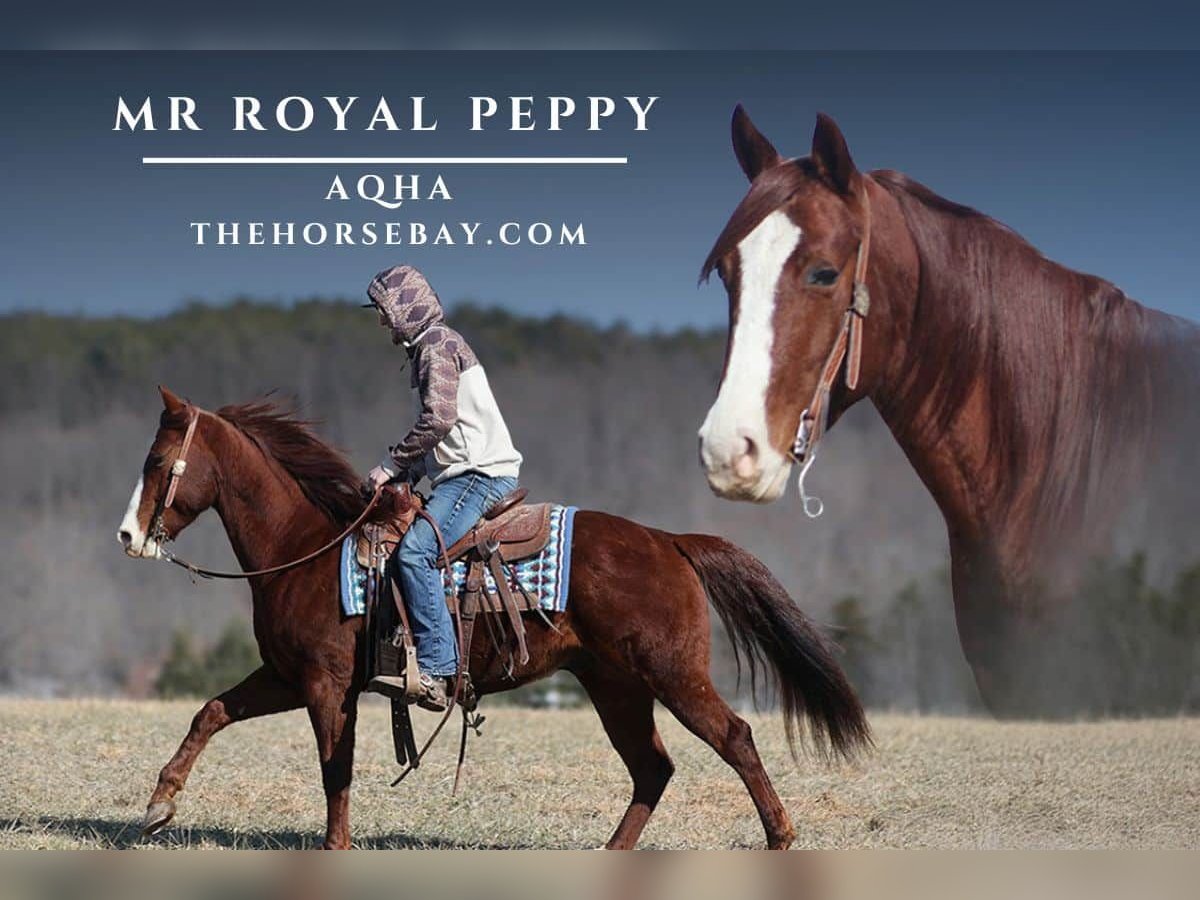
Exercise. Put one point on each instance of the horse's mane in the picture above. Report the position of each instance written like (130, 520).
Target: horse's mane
(322, 472)
(1064, 357)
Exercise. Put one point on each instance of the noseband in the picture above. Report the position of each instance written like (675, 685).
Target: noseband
(847, 348)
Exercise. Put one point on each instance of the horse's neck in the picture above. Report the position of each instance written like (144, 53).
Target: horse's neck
(945, 454)
(951, 461)
(998, 412)
(266, 516)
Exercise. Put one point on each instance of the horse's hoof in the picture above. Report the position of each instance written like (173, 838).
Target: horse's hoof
(157, 816)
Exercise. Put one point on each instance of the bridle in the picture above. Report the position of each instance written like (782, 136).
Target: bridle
(847, 348)
(158, 526)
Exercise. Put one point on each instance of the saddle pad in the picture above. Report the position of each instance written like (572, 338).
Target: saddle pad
(545, 577)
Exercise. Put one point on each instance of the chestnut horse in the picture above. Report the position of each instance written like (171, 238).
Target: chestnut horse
(1051, 417)
(635, 630)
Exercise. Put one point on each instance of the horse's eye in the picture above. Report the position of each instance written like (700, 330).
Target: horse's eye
(823, 276)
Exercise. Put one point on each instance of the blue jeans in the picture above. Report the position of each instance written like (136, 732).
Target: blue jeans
(455, 504)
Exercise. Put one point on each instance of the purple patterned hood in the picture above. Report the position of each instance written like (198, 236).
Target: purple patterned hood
(405, 297)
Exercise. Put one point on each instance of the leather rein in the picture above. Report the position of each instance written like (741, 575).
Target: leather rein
(158, 528)
(847, 348)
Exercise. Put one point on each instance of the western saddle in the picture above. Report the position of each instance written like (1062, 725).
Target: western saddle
(508, 532)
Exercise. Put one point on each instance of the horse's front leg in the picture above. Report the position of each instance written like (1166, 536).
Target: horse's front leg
(333, 709)
(260, 693)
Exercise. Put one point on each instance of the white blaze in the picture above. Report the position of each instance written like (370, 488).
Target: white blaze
(138, 545)
(740, 411)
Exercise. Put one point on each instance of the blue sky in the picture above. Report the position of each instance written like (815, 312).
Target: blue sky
(1087, 155)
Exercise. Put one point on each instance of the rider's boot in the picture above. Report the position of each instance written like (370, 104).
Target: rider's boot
(436, 691)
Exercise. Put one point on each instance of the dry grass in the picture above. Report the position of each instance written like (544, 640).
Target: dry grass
(78, 774)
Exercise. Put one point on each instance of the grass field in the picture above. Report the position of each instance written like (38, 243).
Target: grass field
(78, 774)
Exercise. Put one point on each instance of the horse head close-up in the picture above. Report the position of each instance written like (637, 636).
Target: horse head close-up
(1046, 412)
(794, 257)
(163, 502)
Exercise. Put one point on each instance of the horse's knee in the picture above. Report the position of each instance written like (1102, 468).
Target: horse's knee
(337, 774)
(211, 718)
(737, 744)
(739, 733)
(666, 765)
(663, 768)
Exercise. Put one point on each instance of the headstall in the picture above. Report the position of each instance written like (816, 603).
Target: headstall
(847, 348)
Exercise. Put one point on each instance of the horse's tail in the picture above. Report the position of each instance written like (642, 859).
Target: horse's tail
(769, 629)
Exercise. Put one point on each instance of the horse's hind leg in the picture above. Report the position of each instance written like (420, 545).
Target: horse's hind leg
(693, 700)
(626, 709)
(259, 694)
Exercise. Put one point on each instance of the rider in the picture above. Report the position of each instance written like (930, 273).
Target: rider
(460, 442)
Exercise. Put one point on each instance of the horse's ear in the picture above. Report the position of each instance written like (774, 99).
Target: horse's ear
(754, 152)
(832, 156)
(171, 403)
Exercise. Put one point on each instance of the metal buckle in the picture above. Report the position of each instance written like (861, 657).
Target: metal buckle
(802, 444)
(861, 304)
(805, 453)
(179, 467)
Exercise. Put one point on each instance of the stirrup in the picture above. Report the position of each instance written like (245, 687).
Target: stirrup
(393, 686)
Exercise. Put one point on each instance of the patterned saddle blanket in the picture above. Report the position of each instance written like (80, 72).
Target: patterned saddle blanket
(544, 578)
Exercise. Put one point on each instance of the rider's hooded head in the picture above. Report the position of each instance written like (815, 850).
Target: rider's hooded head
(407, 301)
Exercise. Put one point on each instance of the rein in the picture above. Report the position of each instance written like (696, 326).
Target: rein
(158, 528)
(847, 348)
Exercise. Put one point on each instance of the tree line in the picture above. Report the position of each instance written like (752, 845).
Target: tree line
(605, 417)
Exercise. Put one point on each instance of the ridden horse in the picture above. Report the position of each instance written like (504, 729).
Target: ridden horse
(1050, 416)
(635, 630)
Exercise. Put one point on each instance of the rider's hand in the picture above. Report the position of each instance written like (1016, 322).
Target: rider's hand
(379, 475)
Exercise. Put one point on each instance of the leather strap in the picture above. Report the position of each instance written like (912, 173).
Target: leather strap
(271, 570)
(860, 303)
(510, 606)
(180, 465)
(847, 348)
(412, 672)
(403, 739)
(468, 609)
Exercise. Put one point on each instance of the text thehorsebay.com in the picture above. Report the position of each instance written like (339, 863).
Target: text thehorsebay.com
(390, 191)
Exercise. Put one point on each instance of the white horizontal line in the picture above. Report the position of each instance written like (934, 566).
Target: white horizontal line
(385, 160)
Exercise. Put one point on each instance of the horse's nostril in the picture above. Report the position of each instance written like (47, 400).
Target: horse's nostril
(125, 538)
(745, 460)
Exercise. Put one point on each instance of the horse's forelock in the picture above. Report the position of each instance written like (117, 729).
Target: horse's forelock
(769, 191)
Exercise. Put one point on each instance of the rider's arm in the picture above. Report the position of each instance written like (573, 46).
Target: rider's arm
(437, 379)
